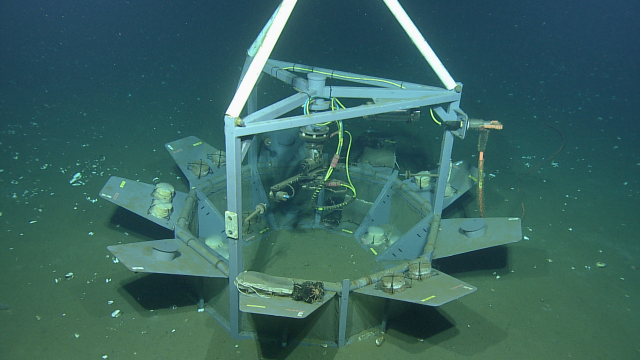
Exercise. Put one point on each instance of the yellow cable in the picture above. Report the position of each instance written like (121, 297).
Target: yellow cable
(341, 132)
(433, 117)
(330, 169)
(348, 186)
(346, 166)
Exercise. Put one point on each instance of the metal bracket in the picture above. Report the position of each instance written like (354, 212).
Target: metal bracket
(231, 224)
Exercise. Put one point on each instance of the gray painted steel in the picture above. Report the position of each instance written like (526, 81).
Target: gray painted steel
(500, 231)
(434, 291)
(138, 257)
(243, 136)
(281, 305)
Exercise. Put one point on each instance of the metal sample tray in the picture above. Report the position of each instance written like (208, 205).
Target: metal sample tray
(281, 305)
(500, 231)
(139, 257)
(434, 291)
(136, 196)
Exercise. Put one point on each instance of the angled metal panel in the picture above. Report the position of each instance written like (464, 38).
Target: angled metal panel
(210, 220)
(191, 150)
(463, 178)
(283, 306)
(380, 211)
(434, 291)
(411, 244)
(452, 241)
(136, 197)
(139, 257)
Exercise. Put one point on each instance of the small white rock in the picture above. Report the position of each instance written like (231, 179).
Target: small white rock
(76, 177)
(116, 313)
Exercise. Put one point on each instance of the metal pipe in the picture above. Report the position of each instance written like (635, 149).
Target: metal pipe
(182, 233)
(434, 229)
(202, 250)
(413, 197)
(189, 204)
(260, 209)
(374, 278)
(422, 45)
(267, 42)
(205, 253)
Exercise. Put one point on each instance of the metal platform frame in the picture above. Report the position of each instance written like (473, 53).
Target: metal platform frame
(390, 95)
(194, 216)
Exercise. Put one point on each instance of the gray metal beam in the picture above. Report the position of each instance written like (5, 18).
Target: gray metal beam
(345, 75)
(234, 205)
(394, 93)
(278, 109)
(443, 172)
(342, 114)
(344, 308)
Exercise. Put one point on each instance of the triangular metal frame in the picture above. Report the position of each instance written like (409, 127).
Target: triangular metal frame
(262, 48)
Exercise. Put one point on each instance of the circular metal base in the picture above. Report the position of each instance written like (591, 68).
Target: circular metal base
(474, 228)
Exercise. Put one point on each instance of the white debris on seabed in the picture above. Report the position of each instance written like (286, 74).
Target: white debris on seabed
(84, 171)
(75, 180)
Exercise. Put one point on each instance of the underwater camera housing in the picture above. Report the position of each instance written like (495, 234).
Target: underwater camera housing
(281, 223)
